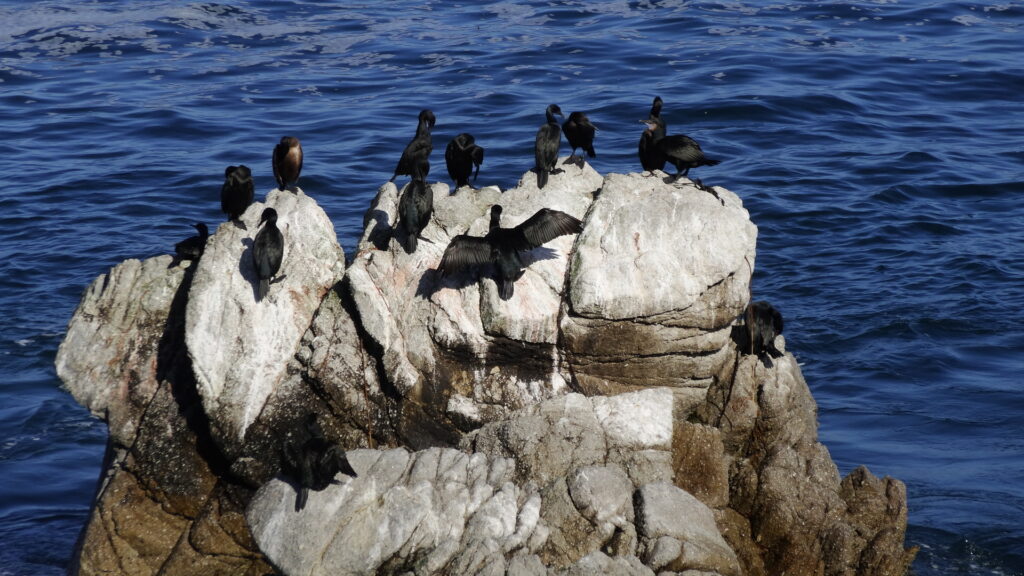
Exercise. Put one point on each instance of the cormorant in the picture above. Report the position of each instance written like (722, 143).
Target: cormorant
(414, 210)
(650, 157)
(191, 248)
(580, 134)
(267, 251)
(764, 323)
(460, 156)
(680, 150)
(415, 160)
(312, 460)
(287, 161)
(545, 151)
(501, 246)
(237, 193)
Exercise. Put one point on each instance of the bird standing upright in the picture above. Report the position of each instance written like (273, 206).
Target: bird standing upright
(545, 149)
(415, 160)
(650, 157)
(414, 210)
(460, 156)
(267, 252)
(237, 193)
(580, 134)
(287, 162)
(501, 246)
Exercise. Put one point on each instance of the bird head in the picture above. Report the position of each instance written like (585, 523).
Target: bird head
(428, 117)
(269, 215)
(202, 229)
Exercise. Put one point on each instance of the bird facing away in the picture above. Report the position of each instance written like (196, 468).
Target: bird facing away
(414, 210)
(237, 193)
(312, 460)
(415, 160)
(650, 157)
(764, 323)
(580, 134)
(267, 251)
(501, 246)
(287, 162)
(679, 150)
(461, 155)
(191, 248)
(545, 150)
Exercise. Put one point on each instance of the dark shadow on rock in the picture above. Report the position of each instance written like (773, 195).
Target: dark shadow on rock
(431, 281)
(174, 367)
(247, 269)
(537, 254)
(381, 232)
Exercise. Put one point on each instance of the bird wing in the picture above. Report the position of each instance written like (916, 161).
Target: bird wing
(463, 251)
(477, 154)
(681, 147)
(544, 226)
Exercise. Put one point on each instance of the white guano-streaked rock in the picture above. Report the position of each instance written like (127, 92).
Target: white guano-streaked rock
(454, 338)
(109, 357)
(239, 347)
(437, 509)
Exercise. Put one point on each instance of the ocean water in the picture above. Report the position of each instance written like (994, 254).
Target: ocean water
(877, 144)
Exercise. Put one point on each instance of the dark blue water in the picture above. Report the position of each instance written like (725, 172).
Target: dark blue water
(877, 144)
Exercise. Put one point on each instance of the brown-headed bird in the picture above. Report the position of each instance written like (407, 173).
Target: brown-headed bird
(287, 162)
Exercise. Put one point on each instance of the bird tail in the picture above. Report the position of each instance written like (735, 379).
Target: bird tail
(542, 177)
(506, 286)
(410, 242)
(263, 289)
(710, 162)
(300, 498)
(592, 153)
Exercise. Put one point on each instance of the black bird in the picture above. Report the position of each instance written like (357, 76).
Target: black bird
(237, 193)
(580, 134)
(267, 251)
(650, 157)
(313, 461)
(679, 150)
(414, 210)
(287, 161)
(545, 151)
(191, 248)
(764, 323)
(501, 246)
(460, 156)
(415, 160)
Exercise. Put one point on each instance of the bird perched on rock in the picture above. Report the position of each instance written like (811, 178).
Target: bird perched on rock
(287, 162)
(679, 150)
(650, 157)
(545, 149)
(267, 252)
(461, 155)
(580, 134)
(191, 248)
(312, 460)
(237, 193)
(414, 210)
(501, 246)
(763, 323)
(415, 160)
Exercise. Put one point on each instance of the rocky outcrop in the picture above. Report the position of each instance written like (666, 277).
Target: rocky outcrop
(603, 420)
